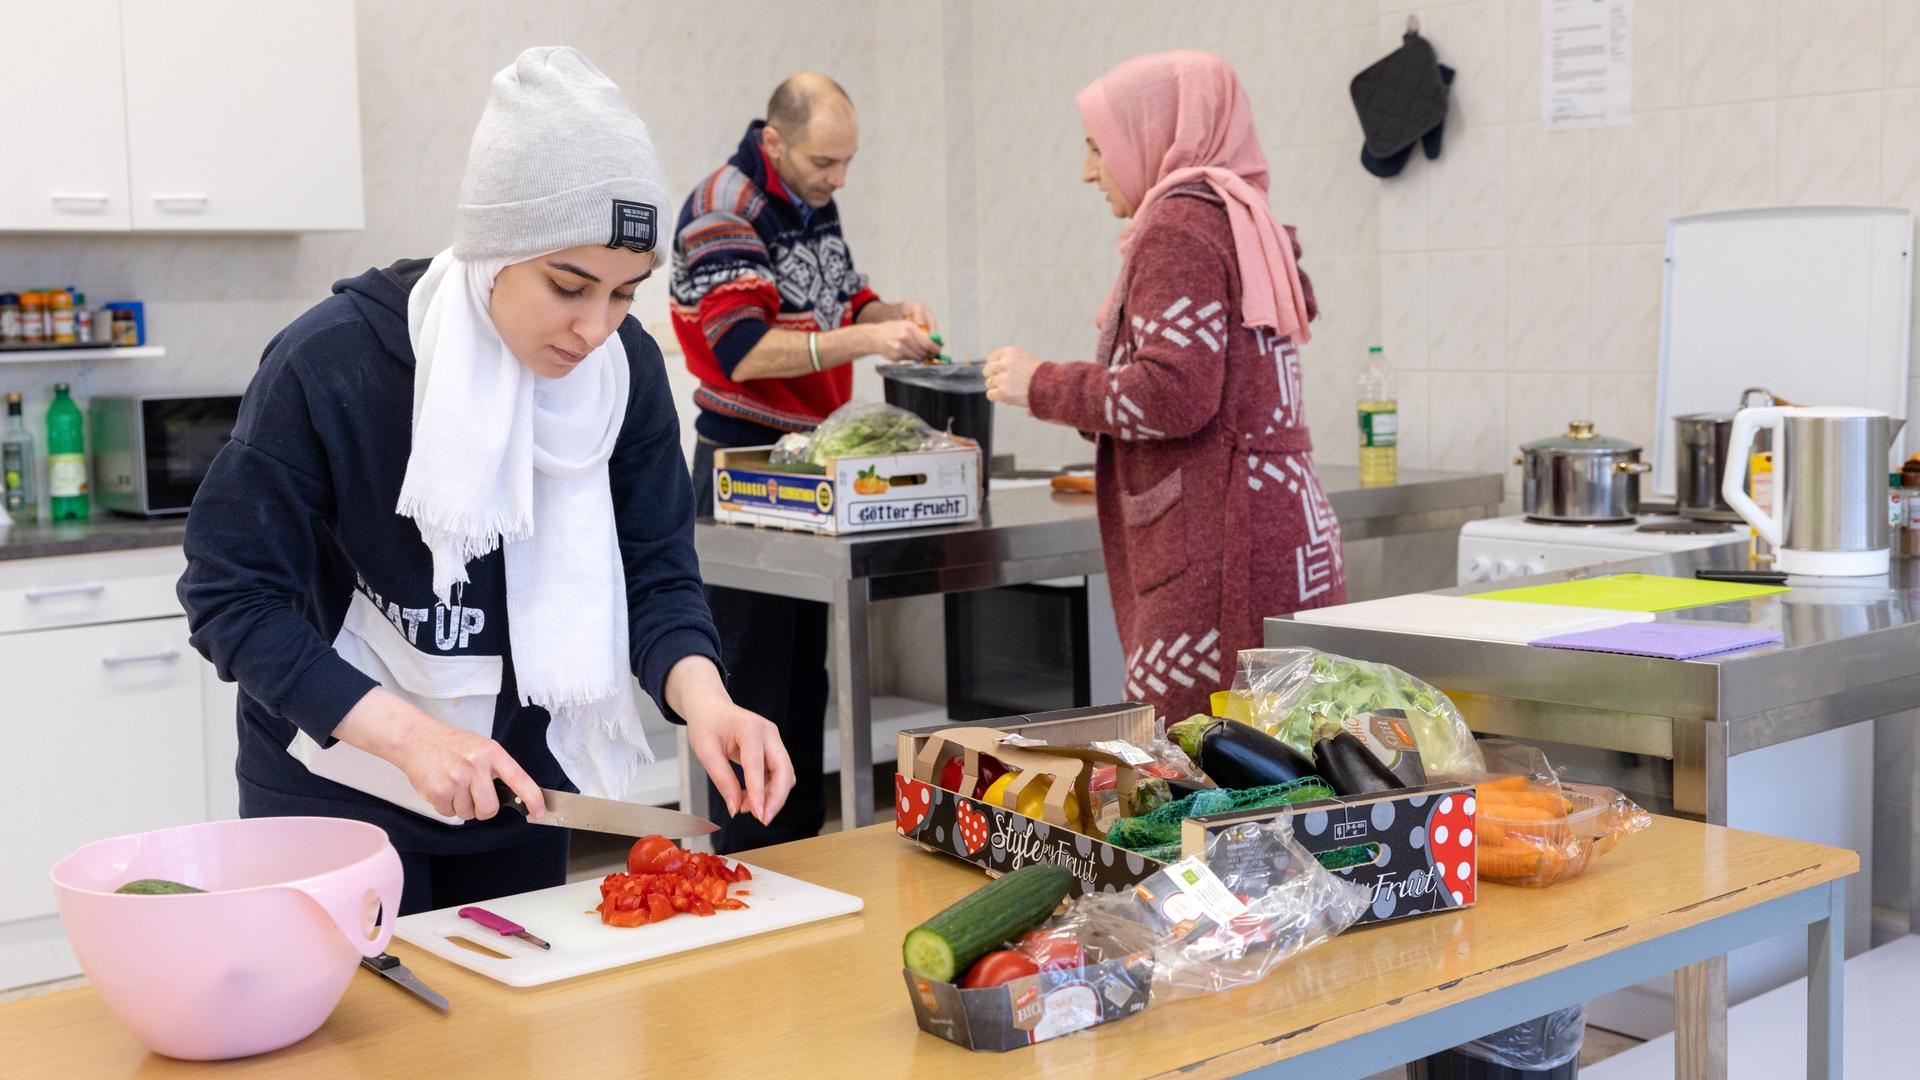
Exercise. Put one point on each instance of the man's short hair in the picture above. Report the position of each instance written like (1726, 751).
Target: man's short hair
(790, 109)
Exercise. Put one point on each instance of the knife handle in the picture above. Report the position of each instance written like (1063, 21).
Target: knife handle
(503, 927)
(508, 799)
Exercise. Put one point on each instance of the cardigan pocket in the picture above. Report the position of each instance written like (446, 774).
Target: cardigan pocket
(1156, 535)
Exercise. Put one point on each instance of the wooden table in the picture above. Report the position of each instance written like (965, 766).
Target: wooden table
(830, 997)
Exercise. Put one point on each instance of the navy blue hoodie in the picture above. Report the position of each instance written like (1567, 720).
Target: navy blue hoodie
(298, 512)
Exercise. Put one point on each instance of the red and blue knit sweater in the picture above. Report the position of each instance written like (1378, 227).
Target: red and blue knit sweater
(747, 259)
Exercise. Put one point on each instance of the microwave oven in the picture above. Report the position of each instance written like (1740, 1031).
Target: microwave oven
(150, 453)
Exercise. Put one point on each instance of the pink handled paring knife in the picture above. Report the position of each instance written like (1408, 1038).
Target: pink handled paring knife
(504, 927)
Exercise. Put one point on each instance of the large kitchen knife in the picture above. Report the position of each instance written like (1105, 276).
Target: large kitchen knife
(389, 966)
(570, 811)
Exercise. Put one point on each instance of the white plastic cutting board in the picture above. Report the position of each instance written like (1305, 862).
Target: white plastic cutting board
(1810, 302)
(564, 915)
(1466, 618)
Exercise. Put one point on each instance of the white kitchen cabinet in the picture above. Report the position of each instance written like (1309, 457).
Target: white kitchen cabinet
(181, 116)
(105, 737)
(66, 131)
(110, 724)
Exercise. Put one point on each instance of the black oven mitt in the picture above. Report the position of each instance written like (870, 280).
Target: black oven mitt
(1400, 98)
(1429, 143)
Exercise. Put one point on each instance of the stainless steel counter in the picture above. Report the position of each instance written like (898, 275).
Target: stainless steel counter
(102, 532)
(1850, 652)
(1024, 535)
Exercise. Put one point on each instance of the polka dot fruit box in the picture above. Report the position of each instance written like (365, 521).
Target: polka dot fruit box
(1413, 850)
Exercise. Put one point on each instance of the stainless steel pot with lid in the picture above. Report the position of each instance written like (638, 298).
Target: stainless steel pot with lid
(1700, 457)
(1581, 477)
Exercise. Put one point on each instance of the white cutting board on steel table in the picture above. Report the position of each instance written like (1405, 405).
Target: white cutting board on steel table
(1468, 619)
(564, 915)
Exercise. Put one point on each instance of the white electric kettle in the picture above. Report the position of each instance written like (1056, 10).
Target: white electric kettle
(1829, 512)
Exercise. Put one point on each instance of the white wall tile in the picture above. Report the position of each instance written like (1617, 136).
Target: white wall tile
(1467, 413)
(1404, 315)
(1547, 183)
(1635, 184)
(1623, 406)
(1727, 157)
(1330, 415)
(1821, 45)
(1467, 309)
(1523, 50)
(1656, 54)
(1416, 432)
(1548, 291)
(1467, 197)
(1830, 149)
(1541, 406)
(1403, 206)
(1900, 166)
(1471, 39)
(1348, 292)
(1729, 50)
(1900, 43)
(1627, 285)
(1323, 191)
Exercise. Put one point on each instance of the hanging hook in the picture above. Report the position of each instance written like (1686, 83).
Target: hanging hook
(1413, 24)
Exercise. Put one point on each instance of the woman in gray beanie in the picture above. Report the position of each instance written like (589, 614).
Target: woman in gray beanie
(453, 525)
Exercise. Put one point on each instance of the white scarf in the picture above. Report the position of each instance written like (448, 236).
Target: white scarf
(503, 456)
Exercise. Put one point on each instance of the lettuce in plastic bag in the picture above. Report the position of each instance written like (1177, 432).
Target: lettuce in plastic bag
(1291, 693)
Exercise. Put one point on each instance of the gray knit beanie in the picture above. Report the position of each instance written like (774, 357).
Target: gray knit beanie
(558, 161)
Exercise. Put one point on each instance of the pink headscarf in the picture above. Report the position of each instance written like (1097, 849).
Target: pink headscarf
(1168, 119)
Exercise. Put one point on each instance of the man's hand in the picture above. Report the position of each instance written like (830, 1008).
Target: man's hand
(919, 315)
(720, 733)
(452, 768)
(898, 339)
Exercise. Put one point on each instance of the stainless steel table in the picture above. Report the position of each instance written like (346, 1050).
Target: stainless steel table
(1025, 535)
(1850, 653)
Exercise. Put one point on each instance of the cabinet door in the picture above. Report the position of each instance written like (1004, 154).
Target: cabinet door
(66, 125)
(101, 728)
(243, 116)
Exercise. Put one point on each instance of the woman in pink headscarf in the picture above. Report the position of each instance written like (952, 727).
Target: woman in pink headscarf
(1210, 511)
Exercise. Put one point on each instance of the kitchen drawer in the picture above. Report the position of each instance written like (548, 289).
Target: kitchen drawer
(82, 590)
(103, 734)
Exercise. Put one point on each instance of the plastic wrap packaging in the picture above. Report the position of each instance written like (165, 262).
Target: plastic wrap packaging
(1536, 829)
(1538, 1045)
(1291, 693)
(1277, 901)
(1156, 833)
(862, 429)
(1162, 773)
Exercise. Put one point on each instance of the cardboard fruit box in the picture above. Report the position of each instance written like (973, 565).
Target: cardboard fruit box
(1412, 849)
(851, 494)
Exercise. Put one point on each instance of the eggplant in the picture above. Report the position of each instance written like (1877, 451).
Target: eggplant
(1346, 764)
(1236, 755)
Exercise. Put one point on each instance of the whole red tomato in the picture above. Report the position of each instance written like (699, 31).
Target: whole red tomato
(997, 967)
(1052, 950)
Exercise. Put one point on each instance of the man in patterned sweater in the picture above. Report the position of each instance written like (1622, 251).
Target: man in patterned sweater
(770, 314)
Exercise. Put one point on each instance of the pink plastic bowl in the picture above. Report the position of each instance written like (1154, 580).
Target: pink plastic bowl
(256, 962)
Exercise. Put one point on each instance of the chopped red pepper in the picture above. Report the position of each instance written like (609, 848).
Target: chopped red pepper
(663, 880)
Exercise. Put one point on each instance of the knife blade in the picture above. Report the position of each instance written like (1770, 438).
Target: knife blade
(569, 811)
(389, 966)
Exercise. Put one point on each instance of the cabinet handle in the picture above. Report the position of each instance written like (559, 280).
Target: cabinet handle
(165, 656)
(96, 200)
(193, 201)
(34, 596)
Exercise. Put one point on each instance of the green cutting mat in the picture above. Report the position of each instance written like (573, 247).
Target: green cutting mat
(1634, 592)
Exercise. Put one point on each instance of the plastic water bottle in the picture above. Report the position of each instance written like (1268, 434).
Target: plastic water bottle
(66, 457)
(1379, 423)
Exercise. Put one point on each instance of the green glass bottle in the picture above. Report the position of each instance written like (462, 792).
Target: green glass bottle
(66, 457)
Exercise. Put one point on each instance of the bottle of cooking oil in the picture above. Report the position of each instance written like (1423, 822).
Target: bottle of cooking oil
(1379, 423)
